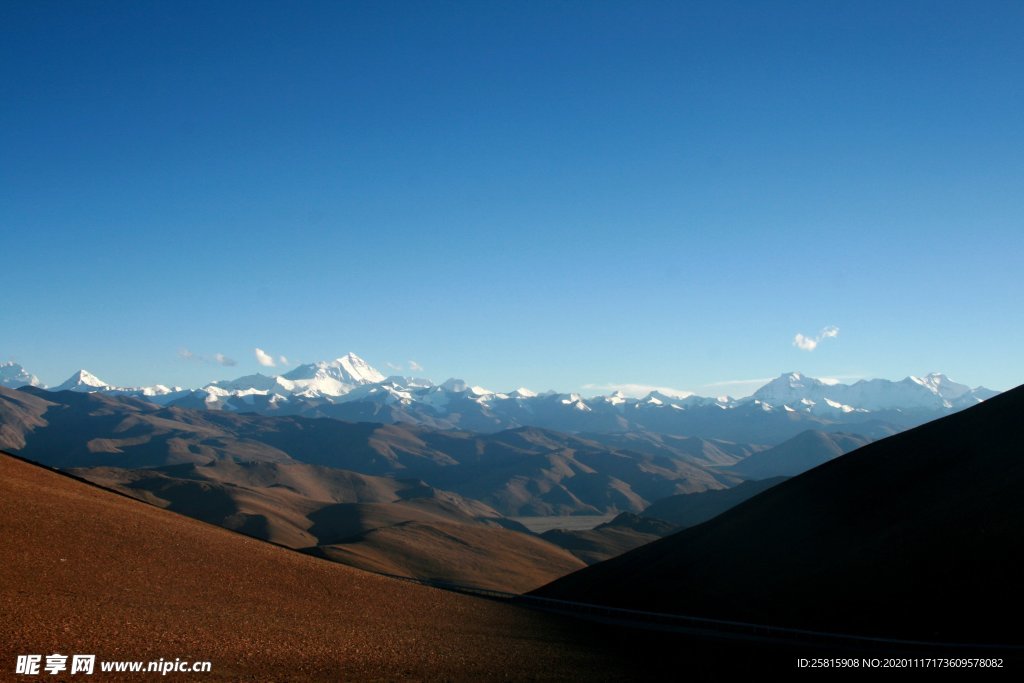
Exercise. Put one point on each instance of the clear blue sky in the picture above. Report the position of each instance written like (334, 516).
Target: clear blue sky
(549, 194)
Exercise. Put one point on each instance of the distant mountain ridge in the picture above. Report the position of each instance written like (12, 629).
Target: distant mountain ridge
(349, 388)
(523, 471)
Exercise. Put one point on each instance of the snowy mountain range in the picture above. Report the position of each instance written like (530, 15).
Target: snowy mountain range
(931, 392)
(349, 388)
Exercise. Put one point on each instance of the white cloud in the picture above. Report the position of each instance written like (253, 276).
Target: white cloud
(730, 382)
(218, 358)
(283, 360)
(736, 387)
(264, 358)
(805, 343)
(639, 390)
(411, 366)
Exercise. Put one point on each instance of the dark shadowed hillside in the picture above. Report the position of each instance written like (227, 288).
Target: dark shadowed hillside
(920, 535)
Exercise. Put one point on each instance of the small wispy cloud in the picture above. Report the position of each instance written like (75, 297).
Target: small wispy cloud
(731, 382)
(411, 366)
(221, 359)
(639, 390)
(735, 387)
(283, 360)
(264, 358)
(805, 343)
(218, 358)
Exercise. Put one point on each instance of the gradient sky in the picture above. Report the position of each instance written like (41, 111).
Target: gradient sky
(549, 194)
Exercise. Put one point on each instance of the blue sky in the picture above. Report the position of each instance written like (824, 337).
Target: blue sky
(548, 194)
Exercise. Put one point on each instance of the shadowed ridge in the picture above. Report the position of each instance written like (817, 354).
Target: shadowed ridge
(918, 535)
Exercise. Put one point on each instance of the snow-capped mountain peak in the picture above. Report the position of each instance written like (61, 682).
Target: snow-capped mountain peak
(13, 376)
(940, 385)
(358, 369)
(83, 380)
(790, 387)
(454, 385)
(333, 378)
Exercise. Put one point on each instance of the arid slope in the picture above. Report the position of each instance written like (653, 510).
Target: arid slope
(85, 570)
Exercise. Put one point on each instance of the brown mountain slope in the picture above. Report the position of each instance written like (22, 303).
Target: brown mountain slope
(293, 504)
(20, 414)
(920, 535)
(401, 527)
(84, 570)
(483, 557)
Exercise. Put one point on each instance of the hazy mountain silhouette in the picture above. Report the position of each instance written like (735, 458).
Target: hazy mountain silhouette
(799, 454)
(692, 449)
(690, 509)
(625, 532)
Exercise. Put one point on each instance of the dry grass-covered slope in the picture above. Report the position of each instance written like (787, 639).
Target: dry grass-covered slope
(85, 570)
